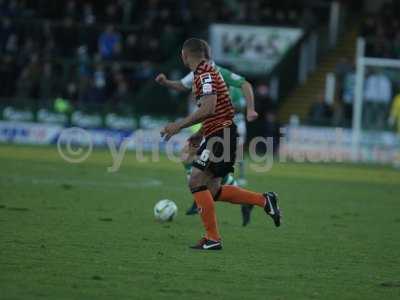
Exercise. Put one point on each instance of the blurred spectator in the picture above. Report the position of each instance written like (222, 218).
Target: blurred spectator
(122, 96)
(343, 67)
(28, 84)
(381, 45)
(3, 8)
(13, 9)
(6, 30)
(83, 61)
(88, 16)
(47, 42)
(113, 78)
(126, 6)
(99, 82)
(263, 102)
(377, 95)
(368, 28)
(396, 45)
(109, 43)
(66, 37)
(93, 89)
(293, 18)
(348, 85)
(47, 83)
(394, 117)
(343, 111)
(8, 75)
(89, 38)
(28, 47)
(153, 52)
(25, 84)
(71, 93)
(168, 41)
(308, 19)
(272, 129)
(131, 49)
(381, 30)
(112, 13)
(262, 92)
(144, 71)
(320, 112)
(94, 96)
(11, 46)
(71, 10)
(51, 83)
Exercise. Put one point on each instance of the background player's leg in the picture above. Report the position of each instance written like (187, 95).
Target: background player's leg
(242, 177)
(246, 213)
(214, 185)
(237, 195)
(242, 130)
(245, 208)
(229, 180)
(188, 154)
(205, 202)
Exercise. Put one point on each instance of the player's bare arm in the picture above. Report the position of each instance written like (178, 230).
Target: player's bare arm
(206, 109)
(248, 93)
(171, 84)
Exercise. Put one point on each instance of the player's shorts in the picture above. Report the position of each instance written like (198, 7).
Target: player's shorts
(217, 153)
(195, 128)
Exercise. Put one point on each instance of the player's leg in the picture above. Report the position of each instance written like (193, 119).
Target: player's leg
(205, 203)
(235, 194)
(231, 193)
(199, 179)
(246, 209)
(188, 154)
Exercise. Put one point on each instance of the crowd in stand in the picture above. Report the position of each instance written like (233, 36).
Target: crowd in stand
(382, 32)
(104, 51)
(381, 85)
(88, 52)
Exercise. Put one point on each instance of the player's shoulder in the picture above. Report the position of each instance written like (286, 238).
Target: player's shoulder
(205, 67)
(206, 74)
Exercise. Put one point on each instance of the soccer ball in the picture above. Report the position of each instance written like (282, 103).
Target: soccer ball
(165, 210)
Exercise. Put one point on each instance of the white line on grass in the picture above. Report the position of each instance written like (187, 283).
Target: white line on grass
(134, 184)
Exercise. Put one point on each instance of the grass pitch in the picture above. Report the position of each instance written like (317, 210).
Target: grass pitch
(75, 231)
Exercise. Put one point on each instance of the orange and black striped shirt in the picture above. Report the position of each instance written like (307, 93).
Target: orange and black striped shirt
(208, 81)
